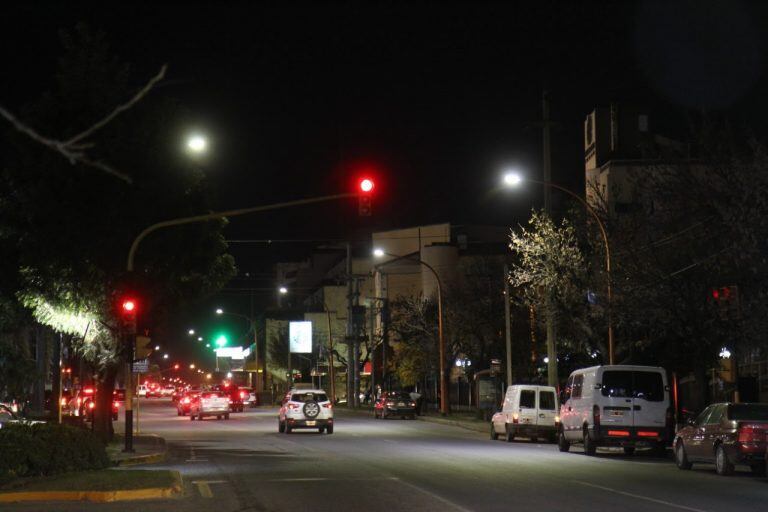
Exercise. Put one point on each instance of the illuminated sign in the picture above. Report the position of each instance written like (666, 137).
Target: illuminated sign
(300, 336)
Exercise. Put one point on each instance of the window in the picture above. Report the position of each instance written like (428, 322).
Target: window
(578, 382)
(528, 399)
(547, 400)
(648, 386)
(308, 397)
(704, 416)
(625, 384)
(752, 412)
(717, 414)
(567, 390)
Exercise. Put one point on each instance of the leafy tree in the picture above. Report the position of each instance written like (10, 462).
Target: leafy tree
(72, 226)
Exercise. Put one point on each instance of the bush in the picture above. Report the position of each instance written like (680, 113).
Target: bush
(48, 449)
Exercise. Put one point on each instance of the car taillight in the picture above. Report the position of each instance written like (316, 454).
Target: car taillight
(242, 394)
(596, 416)
(618, 433)
(751, 433)
(186, 400)
(91, 405)
(328, 405)
(79, 402)
(116, 405)
(390, 403)
(293, 406)
(229, 400)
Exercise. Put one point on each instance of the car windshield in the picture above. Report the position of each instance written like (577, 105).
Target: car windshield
(757, 412)
(399, 396)
(308, 397)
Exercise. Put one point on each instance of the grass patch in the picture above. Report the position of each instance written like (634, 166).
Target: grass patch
(101, 480)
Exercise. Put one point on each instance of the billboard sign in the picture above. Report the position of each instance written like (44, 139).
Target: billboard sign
(232, 352)
(300, 337)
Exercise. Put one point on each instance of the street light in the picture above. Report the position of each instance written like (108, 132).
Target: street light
(283, 290)
(199, 338)
(157, 347)
(192, 366)
(219, 311)
(513, 179)
(165, 356)
(191, 332)
(197, 144)
(378, 252)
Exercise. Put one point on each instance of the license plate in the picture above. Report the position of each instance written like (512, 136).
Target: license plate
(617, 413)
(400, 404)
(311, 423)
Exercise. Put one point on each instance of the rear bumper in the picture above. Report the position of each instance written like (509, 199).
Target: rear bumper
(746, 453)
(213, 412)
(293, 423)
(400, 411)
(630, 436)
(525, 429)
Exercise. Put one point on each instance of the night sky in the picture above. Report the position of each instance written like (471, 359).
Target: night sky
(438, 97)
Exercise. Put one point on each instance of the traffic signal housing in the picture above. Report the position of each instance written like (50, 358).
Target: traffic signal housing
(725, 301)
(365, 199)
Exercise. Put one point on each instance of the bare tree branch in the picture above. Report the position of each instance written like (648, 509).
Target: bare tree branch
(74, 149)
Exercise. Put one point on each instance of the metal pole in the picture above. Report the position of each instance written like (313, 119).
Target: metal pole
(130, 333)
(356, 363)
(507, 323)
(547, 167)
(58, 398)
(330, 357)
(138, 403)
(372, 352)
(350, 348)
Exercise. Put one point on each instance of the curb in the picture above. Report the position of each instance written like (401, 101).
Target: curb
(97, 496)
(476, 427)
(152, 458)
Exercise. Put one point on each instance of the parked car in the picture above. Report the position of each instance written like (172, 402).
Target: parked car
(727, 435)
(617, 405)
(305, 408)
(209, 403)
(183, 404)
(142, 391)
(394, 403)
(9, 416)
(528, 410)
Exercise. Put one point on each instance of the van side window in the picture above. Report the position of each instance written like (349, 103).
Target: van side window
(566, 393)
(578, 382)
(547, 400)
(527, 399)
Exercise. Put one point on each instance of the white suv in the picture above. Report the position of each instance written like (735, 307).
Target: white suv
(305, 408)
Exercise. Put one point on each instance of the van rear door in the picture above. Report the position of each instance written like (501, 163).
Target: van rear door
(547, 408)
(650, 401)
(616, 398)
(527, 407)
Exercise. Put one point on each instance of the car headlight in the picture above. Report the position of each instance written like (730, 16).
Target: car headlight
(557, 419)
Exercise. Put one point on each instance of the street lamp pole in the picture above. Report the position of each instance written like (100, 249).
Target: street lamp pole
(441, 338)
(604, 234)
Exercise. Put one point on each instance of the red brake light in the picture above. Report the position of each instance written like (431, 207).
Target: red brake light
(91, 405)
(643, 433)
(242, 394)
(186, 400)
(116, 405)
(752, 433)
(619, 433)
(328, 405)
(293, 406)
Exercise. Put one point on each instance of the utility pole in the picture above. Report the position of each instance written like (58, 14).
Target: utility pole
(547, 167)
(507, 322)
(350, 348)
(356, 362)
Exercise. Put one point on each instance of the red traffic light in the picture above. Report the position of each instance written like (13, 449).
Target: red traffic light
(366, 185)
(129, 306)
(176, 366)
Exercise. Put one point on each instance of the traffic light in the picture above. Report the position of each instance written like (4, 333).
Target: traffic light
(725, 300)
(364, 206)
(176, 366)
(221, 340)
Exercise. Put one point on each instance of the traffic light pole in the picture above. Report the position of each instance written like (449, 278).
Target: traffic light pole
(130, 333)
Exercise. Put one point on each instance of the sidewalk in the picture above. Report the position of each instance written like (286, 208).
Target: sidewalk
(147, 449)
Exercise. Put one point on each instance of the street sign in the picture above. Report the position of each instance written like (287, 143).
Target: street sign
(141, 366)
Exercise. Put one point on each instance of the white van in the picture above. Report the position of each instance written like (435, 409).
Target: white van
(618, 405)
(142, 391)
(528, 410)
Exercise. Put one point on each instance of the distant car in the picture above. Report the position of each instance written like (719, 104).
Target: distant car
(153, 390)
(249, 397)
(394, 403)
(727, 435)
(238, 396)
(305, 408)
(184, 402)
(209, 403)
(142, 391)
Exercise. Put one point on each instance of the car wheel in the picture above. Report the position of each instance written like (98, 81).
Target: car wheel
(562, 443)
(758, 469)
(280, 426)
(329, 429)
(321, 430)
(494, 435)
(226, 416)
(629, 450)
(178, 412)
(288, 429)
(723, 466)
(681, 458)
(590, 448)
(510, 436)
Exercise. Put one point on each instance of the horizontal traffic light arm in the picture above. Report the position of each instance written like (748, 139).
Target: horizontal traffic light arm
(229, 213)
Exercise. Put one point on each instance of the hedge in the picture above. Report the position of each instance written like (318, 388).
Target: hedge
(48, 449)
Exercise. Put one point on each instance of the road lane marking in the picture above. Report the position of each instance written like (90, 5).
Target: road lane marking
(641, 497)
(204, 487)
(432, 495)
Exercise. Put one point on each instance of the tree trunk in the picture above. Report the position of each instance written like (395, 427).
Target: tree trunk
(102, 417)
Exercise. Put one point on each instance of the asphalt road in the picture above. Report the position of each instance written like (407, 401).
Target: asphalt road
(245, 465)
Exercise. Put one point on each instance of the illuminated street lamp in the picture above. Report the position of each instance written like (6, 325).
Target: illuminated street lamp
(165, 356)
(157, 347)
(191, 332)
(199, 338)
(219, 311)
(197, 144)
(513, 179)
(283, 290)
(192, 366)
